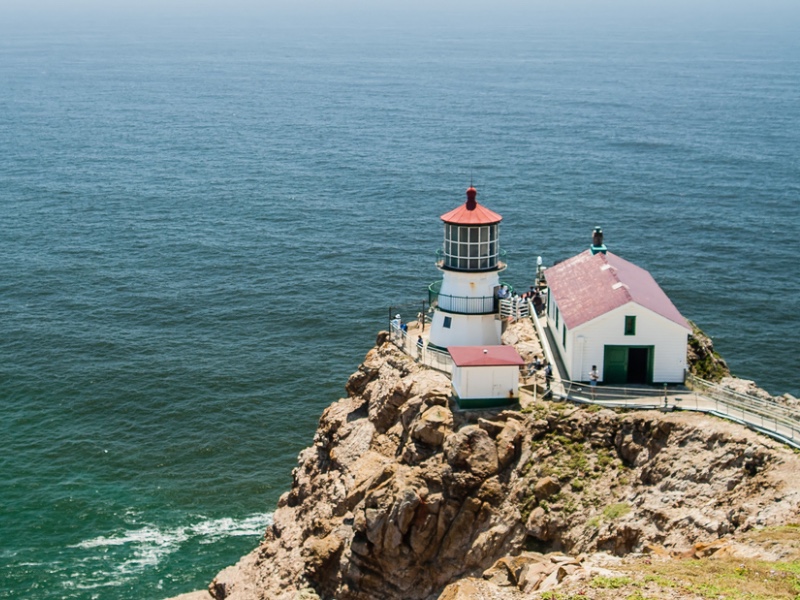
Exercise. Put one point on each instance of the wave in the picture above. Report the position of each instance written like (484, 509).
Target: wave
(146, 546)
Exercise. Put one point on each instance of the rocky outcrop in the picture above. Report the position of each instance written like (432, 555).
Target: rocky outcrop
(401, 496)
(705, 363)
(702, 360)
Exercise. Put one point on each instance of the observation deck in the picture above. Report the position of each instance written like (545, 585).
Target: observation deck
(462, 305)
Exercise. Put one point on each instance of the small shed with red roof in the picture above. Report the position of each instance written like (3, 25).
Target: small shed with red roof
(485, 376)
(606, 311)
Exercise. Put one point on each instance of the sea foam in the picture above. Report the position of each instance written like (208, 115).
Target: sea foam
(145, 547)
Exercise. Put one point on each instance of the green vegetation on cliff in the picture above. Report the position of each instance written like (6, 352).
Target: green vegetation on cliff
(703, 361)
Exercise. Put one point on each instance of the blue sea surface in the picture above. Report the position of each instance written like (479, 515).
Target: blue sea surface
(202, 229)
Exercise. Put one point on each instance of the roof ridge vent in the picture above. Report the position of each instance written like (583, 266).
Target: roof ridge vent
(618, 285)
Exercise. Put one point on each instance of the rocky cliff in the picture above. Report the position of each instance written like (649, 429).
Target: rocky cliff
(402, 497)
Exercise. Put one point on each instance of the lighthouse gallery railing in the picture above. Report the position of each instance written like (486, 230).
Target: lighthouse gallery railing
(462, 305)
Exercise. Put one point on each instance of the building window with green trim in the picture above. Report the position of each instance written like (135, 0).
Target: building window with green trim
(564, 337)
(630, 325)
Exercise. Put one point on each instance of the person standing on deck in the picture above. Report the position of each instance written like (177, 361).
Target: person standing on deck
(593, 377)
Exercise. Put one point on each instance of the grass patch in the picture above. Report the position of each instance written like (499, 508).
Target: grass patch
(611, 583)
(615, 511)
(733, 579)
(604, 458)
(570, 506)
(561, 596)
(782, 534)
(660, 580)
(788, 567)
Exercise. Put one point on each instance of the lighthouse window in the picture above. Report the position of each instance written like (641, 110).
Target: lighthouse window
(471, 248)
(447, 322)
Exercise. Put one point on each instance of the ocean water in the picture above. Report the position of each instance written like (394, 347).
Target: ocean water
(203, 226)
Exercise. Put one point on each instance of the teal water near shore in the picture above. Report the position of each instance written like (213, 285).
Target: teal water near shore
(203, 228)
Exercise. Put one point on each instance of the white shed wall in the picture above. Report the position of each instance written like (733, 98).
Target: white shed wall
(486, 382)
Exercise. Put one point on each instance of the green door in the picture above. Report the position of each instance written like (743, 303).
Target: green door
(615, 364)
(628, 364)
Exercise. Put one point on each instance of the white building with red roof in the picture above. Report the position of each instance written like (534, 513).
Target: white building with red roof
(603, 310)
(485, 376)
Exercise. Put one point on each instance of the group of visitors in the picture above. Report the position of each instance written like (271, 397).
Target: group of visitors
(532, 295)
(537, 365)
(398, 327)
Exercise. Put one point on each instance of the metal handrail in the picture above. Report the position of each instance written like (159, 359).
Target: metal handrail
(463, 305)
(745, 410)
(439, 360)
(714, 390)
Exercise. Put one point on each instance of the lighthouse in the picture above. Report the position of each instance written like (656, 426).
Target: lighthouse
(465, 299)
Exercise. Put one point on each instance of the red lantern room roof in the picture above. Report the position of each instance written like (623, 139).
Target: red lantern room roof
(471, 213)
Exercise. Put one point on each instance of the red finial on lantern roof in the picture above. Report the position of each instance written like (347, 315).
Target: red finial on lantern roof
(471, 194)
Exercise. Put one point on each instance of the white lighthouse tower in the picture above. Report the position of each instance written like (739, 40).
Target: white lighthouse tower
(465, 300)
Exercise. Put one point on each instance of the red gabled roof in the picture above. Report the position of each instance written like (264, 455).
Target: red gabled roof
(485, 356)
(589, 285)
(471, 213)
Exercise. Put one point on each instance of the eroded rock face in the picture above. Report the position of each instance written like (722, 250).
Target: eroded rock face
(402, 496)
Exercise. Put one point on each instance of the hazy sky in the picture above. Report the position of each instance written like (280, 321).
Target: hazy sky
(722, 13)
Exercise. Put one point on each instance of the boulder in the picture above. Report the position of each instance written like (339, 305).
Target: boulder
(433, 425)
(546, 487)
(471, 448)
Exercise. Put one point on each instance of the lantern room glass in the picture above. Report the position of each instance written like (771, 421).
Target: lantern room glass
(471, 248)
